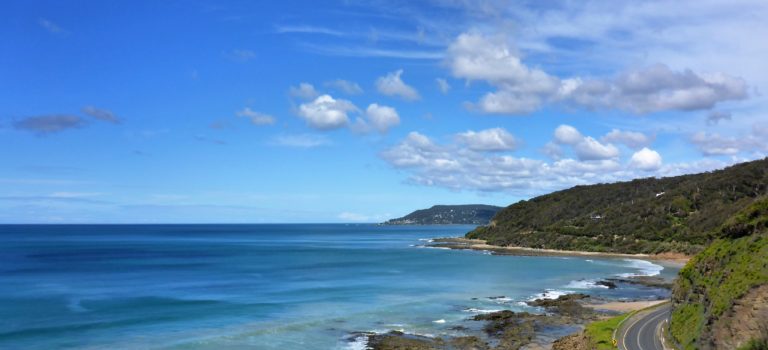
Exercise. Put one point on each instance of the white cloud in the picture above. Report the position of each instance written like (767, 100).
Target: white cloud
(585, 147)
(393, 85)
(590, 149)
(382, 118)
(326, 113)
(301, 140)
(713, 144)
(304, 91)
(521, 89)
(568, 135)
(345, 86)
(443, 85)
(256, 118)
(496, 139)
(646, 159)
(631, 139)
(656, 88)
(457, 167)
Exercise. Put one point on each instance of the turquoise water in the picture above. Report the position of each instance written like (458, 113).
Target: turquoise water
(263, 286)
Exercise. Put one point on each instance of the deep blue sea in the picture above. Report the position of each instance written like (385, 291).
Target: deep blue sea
(263, 286)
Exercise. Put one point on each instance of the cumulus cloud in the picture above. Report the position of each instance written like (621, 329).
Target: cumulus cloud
(631, 139)
(326, 113)
(443, 85)
(457, 167)
(301, 140)
(646, 159)
(393, 85)
(585, 147)
(304, 91)
(493, 140)
(345, 86)
(521, 89)
(49, 124)
(101, 114)
(656, 88)
(381, 118)
(567, 135)
(257, 118)
(746, 142)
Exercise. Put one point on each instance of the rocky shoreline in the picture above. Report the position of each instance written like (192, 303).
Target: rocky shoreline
(556, 324)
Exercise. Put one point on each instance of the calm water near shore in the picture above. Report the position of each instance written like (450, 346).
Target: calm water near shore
(265, 286)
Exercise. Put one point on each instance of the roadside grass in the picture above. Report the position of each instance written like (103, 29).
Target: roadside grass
(601, 332)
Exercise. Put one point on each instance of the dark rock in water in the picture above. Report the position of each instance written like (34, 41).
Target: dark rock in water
(565, 305)
(468, 343)
(608, 284)
(458, 328)
(648, 281)
(395, 340)
(498, 297)
(513, 330)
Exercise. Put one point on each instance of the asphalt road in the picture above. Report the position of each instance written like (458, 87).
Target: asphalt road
(642, 331)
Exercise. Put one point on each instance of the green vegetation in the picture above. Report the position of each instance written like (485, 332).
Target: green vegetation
(755, 344)
(470, 214)
(675, 214)
(728, 269)
(601, 332)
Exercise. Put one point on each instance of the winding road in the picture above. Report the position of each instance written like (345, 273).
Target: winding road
(643, 330)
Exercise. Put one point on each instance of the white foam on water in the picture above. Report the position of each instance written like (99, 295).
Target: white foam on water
(549, 294)
(646, 268)
(441, 321)
(480, 311)
(584, 284)
(358, 343)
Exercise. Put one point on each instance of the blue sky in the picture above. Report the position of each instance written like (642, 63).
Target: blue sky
(358, 111)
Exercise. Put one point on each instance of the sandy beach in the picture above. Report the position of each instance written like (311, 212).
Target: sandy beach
(479, 244)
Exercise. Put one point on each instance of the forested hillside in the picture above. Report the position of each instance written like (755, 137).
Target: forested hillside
(674, 214)
(468, 214)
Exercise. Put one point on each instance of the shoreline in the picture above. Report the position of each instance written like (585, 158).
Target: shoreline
(479, 244)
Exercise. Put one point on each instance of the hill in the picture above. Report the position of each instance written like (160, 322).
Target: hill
(674, 214)
(720, 299)
(469, 214)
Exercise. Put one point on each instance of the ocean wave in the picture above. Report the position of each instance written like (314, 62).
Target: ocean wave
(584, 284)
(440, 321)
(480, 311)
(646, 268)
(359, 342)
(549, 294)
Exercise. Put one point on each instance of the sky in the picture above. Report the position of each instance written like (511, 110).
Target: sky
(359, 111)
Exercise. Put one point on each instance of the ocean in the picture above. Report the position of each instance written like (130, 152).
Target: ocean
(308, 286)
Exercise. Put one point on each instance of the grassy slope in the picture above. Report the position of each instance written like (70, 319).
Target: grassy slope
(601, 332)
(632, 218)
(709, 284)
